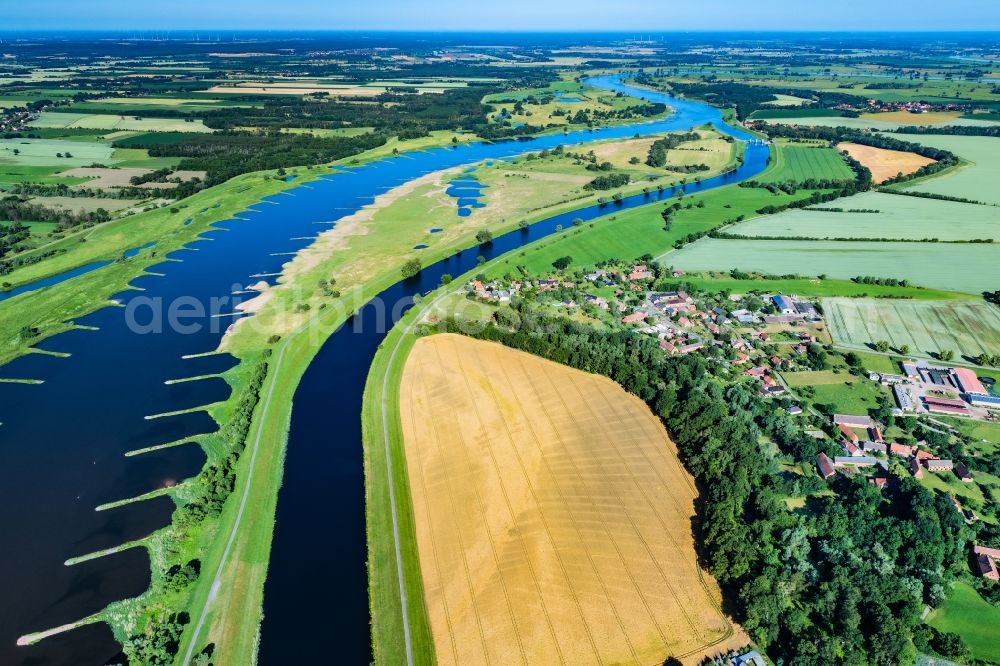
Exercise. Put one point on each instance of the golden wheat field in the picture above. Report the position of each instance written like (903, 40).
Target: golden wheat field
(553, 517)
(884, 163)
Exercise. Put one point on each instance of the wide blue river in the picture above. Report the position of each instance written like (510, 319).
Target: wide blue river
(62, 442)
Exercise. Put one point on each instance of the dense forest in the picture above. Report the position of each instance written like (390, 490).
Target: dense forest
(843, 582)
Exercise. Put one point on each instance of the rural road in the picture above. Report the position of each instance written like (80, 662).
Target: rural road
(392, 494)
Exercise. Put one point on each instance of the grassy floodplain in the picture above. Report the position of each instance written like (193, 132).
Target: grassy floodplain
(967, 328)
(972, 268)
(467, 408)
(893, 216)
(638, 231)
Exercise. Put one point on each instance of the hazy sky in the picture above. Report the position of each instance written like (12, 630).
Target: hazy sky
(504, 15)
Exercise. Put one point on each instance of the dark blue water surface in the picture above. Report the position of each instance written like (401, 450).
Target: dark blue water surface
(62, 442)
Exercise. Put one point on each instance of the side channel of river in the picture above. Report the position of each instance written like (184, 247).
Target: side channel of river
(62, 442)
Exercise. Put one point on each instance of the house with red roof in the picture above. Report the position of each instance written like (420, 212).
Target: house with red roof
(825, 466)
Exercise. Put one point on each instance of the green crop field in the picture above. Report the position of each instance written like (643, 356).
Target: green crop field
(967, 328)
(810, 287)
(798, 163)
(896, 217)
(116, 122)
(772, 114)
(969, 267)
(975, 620)
(978, 181)
(44, 152)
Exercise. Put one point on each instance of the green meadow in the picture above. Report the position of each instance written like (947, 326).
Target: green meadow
(973, 618)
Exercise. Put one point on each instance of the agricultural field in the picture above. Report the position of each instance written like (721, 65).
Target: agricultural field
(903, 217)
(809, 287)
(977, 181)
(973, 618)
(968, 267)
(552, 515)
(968, 328)
(796, 163)
(883, 163)
(45, 152)
(886, 122)
(98, 121)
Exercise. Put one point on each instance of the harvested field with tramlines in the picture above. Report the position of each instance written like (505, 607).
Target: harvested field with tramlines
(967, 328)
(553, 517)
(883, 163)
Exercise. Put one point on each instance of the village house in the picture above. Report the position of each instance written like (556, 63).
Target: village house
(901, 450)
(794, 410)
(962, 472)
(825, 466)
(986, 559)
(634, 317)
(916, 468)
(849, 435)
(640, 272)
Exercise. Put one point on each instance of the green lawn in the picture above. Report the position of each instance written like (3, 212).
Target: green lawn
(975, 620)
(967, 328)
(796, 163)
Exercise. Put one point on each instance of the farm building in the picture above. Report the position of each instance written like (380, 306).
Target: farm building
(962, 472)
(938, 465)
(854, 461)
(784, 304)
(945, 405)
(903, 398)
(824, 466)
(987, 401)
(967, 381)
(751, 658)
(916, 468)
(853, 421)
(986, 559)
(874, 447)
